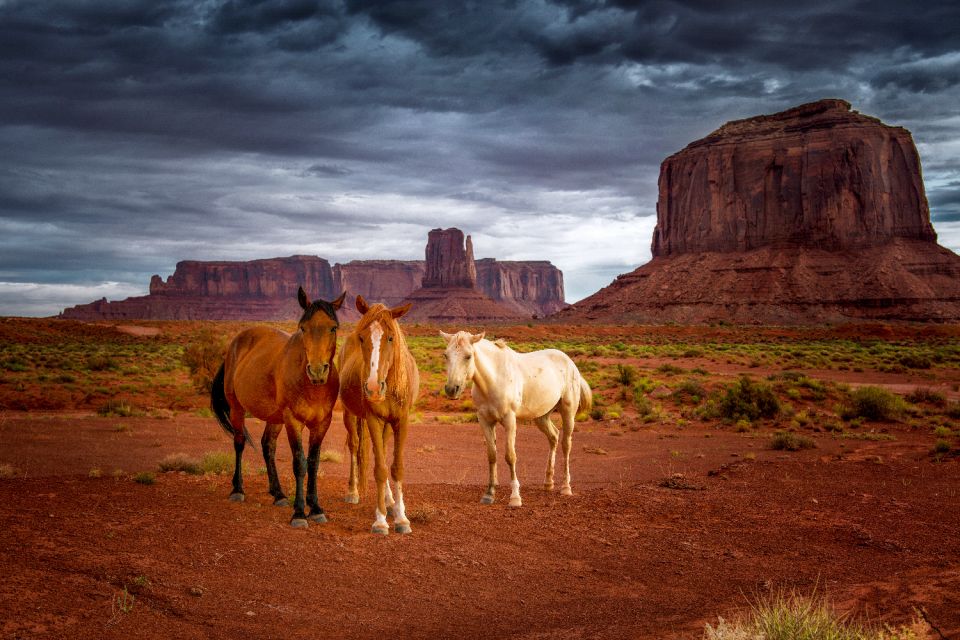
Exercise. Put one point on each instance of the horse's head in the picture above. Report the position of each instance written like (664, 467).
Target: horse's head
(380, 340)
(318, 331)
(461, 363)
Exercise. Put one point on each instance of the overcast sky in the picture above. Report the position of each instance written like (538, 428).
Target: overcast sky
(134, 134)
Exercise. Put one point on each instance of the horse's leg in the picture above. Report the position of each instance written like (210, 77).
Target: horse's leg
(299, 518)
(568, 414)
(317, 432)
(237, 414)
(490, 435)
(545, 424)
(388, 497)
(510, 426)
(375, 429)
(269, 445)
(351, 422)
(400, 522)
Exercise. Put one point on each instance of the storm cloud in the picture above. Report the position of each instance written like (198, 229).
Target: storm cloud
(134, 134)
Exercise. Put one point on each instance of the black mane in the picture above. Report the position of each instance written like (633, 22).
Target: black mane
(320, 305)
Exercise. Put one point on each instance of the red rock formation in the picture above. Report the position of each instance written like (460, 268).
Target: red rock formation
(449, 292)
(532, 288)
(449, 262)
(814, 214)
(266, 289)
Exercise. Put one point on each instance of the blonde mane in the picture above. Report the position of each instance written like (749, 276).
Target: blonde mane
(398, 368)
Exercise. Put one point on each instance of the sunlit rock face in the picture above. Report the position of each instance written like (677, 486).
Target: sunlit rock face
(814, 214)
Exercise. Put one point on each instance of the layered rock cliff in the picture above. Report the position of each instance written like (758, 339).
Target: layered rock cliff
(266, 289)
(814, 214)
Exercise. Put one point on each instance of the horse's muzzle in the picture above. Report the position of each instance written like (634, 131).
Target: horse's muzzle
(318, 376)
(377, 392)
(453, 390)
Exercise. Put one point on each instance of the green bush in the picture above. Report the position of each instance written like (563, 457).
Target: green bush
(873, 403)
(118, 408)
(689, 390)
(915, 361)
(747, 399)
(626, 374)
(101, 362)
(922, 395)
(145, 477)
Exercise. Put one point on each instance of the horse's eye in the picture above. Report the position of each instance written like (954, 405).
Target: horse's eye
(467, 357)
(333, 329)
(390, 339)
(361, 340)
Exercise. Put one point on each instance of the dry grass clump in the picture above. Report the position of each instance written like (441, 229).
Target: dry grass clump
(423, 513)
(217, 462)
(8, 471)
(181, 462)
(873, 403)
(787, 441)
(203, 357)
(795, 617)
(331, 456)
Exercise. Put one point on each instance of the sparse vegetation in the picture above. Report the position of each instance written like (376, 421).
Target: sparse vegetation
(626, 374)
(145, 477)
(795, 617)
(118, 408)
(203, 357)
(873, 403)
(181, 462)
(217, 462)
(923, 395)
(788, 441)
(750, 400)
(7, 471)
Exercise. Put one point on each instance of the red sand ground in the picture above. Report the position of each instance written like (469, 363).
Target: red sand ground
(872, 524)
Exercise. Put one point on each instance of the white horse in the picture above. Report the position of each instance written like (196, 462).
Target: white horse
(508, 386)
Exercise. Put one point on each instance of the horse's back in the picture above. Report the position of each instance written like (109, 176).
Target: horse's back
(250, 369)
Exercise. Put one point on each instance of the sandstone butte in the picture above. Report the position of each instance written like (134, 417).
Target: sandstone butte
(815, 214)
(266, 289)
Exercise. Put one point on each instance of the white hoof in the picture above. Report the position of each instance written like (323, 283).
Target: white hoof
(566, 491)
(548, 486)
(515, 502)
(380, 529)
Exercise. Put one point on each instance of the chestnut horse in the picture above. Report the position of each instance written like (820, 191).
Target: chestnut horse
(508, 386)
(284, 380)
(378, 385)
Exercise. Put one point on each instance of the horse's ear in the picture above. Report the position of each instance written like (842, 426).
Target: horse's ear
(362, 305)
(398, 312)
(336, 304)
(477, 338)
(446, 336)
(303, 299)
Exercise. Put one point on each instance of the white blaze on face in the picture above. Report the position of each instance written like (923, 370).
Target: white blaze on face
(376, 335)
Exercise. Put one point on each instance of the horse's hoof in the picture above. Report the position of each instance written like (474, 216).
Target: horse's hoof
(487, 499)
(352, 499)
(380, 530)
(318, 518)
(515, 502)
(566, 491)
(548, 486)
(401, 527)
(299, 523)
(237, 497)
(281, 502)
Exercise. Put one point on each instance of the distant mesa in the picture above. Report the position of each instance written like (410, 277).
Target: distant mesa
(266, 289)
(815, 214)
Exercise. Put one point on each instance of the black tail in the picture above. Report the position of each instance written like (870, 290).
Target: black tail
(221, 408)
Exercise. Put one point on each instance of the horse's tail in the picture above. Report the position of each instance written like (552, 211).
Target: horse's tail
(586, 395)
(221, 406)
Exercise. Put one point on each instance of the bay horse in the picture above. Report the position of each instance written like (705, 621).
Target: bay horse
(379, 383)
(508, 386)
(286, 380)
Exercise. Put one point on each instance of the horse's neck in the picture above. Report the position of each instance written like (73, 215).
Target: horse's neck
(487, 359)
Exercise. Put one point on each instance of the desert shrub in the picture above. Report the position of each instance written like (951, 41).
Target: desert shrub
(7, 471)
(941, 446)
(644, 385)
(596, 413)
(794, 617)
(953, 410)
(923, 395)
(643, 404)
(748, 399)
(915, 361)
(626, 374)
(101, 362)
(942, 432)
(873, 403)
(689, 389)
(670, 370)
(203, 357)
(181, 462)
(118, 408)
(787, 441)
(217, 462)
(145, 477)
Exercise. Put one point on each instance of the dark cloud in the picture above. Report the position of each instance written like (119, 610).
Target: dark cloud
(134, 134)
